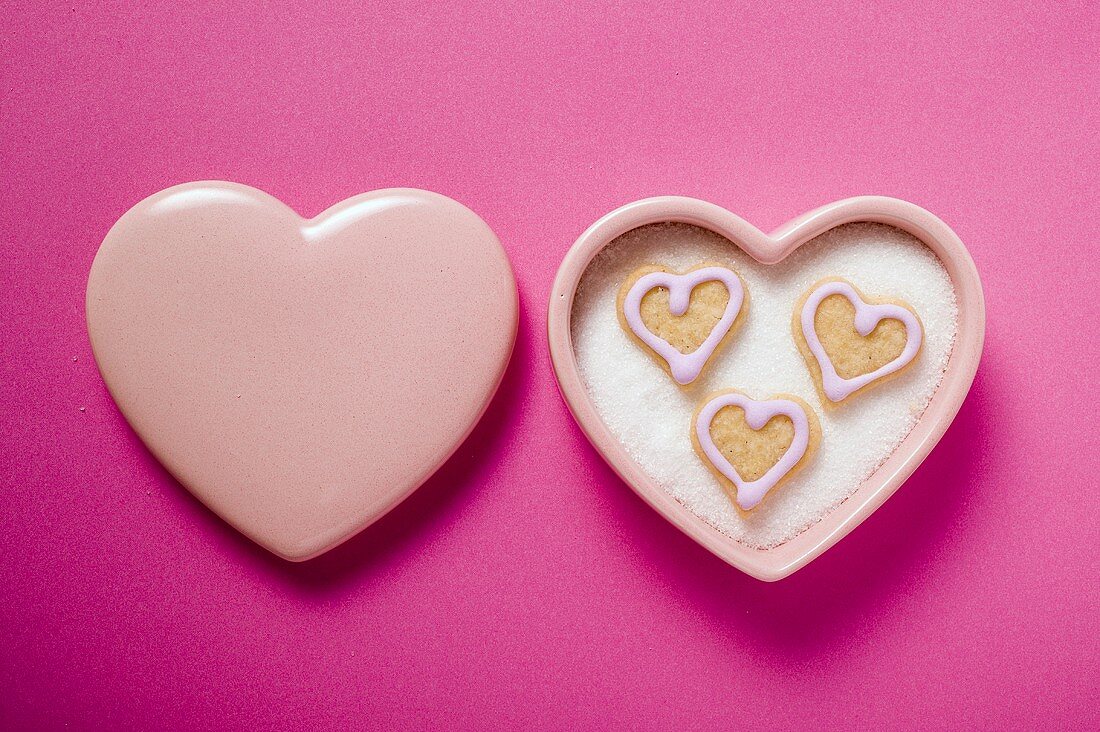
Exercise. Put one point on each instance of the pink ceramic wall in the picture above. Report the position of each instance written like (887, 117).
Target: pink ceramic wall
(525, 585)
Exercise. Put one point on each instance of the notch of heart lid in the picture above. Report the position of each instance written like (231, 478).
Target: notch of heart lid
(301, 377)
(782, 560)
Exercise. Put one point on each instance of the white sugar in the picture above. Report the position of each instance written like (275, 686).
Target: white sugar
(651, 415)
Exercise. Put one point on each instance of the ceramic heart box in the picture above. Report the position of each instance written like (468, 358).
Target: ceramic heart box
(631, 294)
(301, 376)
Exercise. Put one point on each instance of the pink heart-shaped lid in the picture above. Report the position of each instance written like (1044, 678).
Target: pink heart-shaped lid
(301, 376)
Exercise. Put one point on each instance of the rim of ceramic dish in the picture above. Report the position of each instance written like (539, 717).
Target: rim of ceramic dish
(780, 561)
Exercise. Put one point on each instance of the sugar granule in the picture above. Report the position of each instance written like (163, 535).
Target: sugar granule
(645, 409)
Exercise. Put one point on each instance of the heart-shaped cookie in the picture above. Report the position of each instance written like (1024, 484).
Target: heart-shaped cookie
(682, 319)
(766, 359)
(753, 445)
(301, 376)
(851, 343)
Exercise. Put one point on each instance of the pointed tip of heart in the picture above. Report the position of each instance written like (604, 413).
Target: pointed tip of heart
(297, 552)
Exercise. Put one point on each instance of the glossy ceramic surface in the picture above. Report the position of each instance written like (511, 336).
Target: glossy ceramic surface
(301, 376)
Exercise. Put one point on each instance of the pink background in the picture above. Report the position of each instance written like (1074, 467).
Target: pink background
(526, 586)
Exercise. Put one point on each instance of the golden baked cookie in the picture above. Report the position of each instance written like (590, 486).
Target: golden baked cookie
(682, 319)
(851, 342)
(751, 445)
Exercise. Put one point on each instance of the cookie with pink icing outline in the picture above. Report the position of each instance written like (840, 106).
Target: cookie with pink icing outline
(752, 445)
(852, 343)
(683, 319)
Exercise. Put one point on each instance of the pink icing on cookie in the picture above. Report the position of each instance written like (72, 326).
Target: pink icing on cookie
(684, 367)
(757, 414)
(867, 317)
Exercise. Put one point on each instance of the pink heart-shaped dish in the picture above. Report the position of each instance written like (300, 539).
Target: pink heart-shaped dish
(301, 376)
(775, 562)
